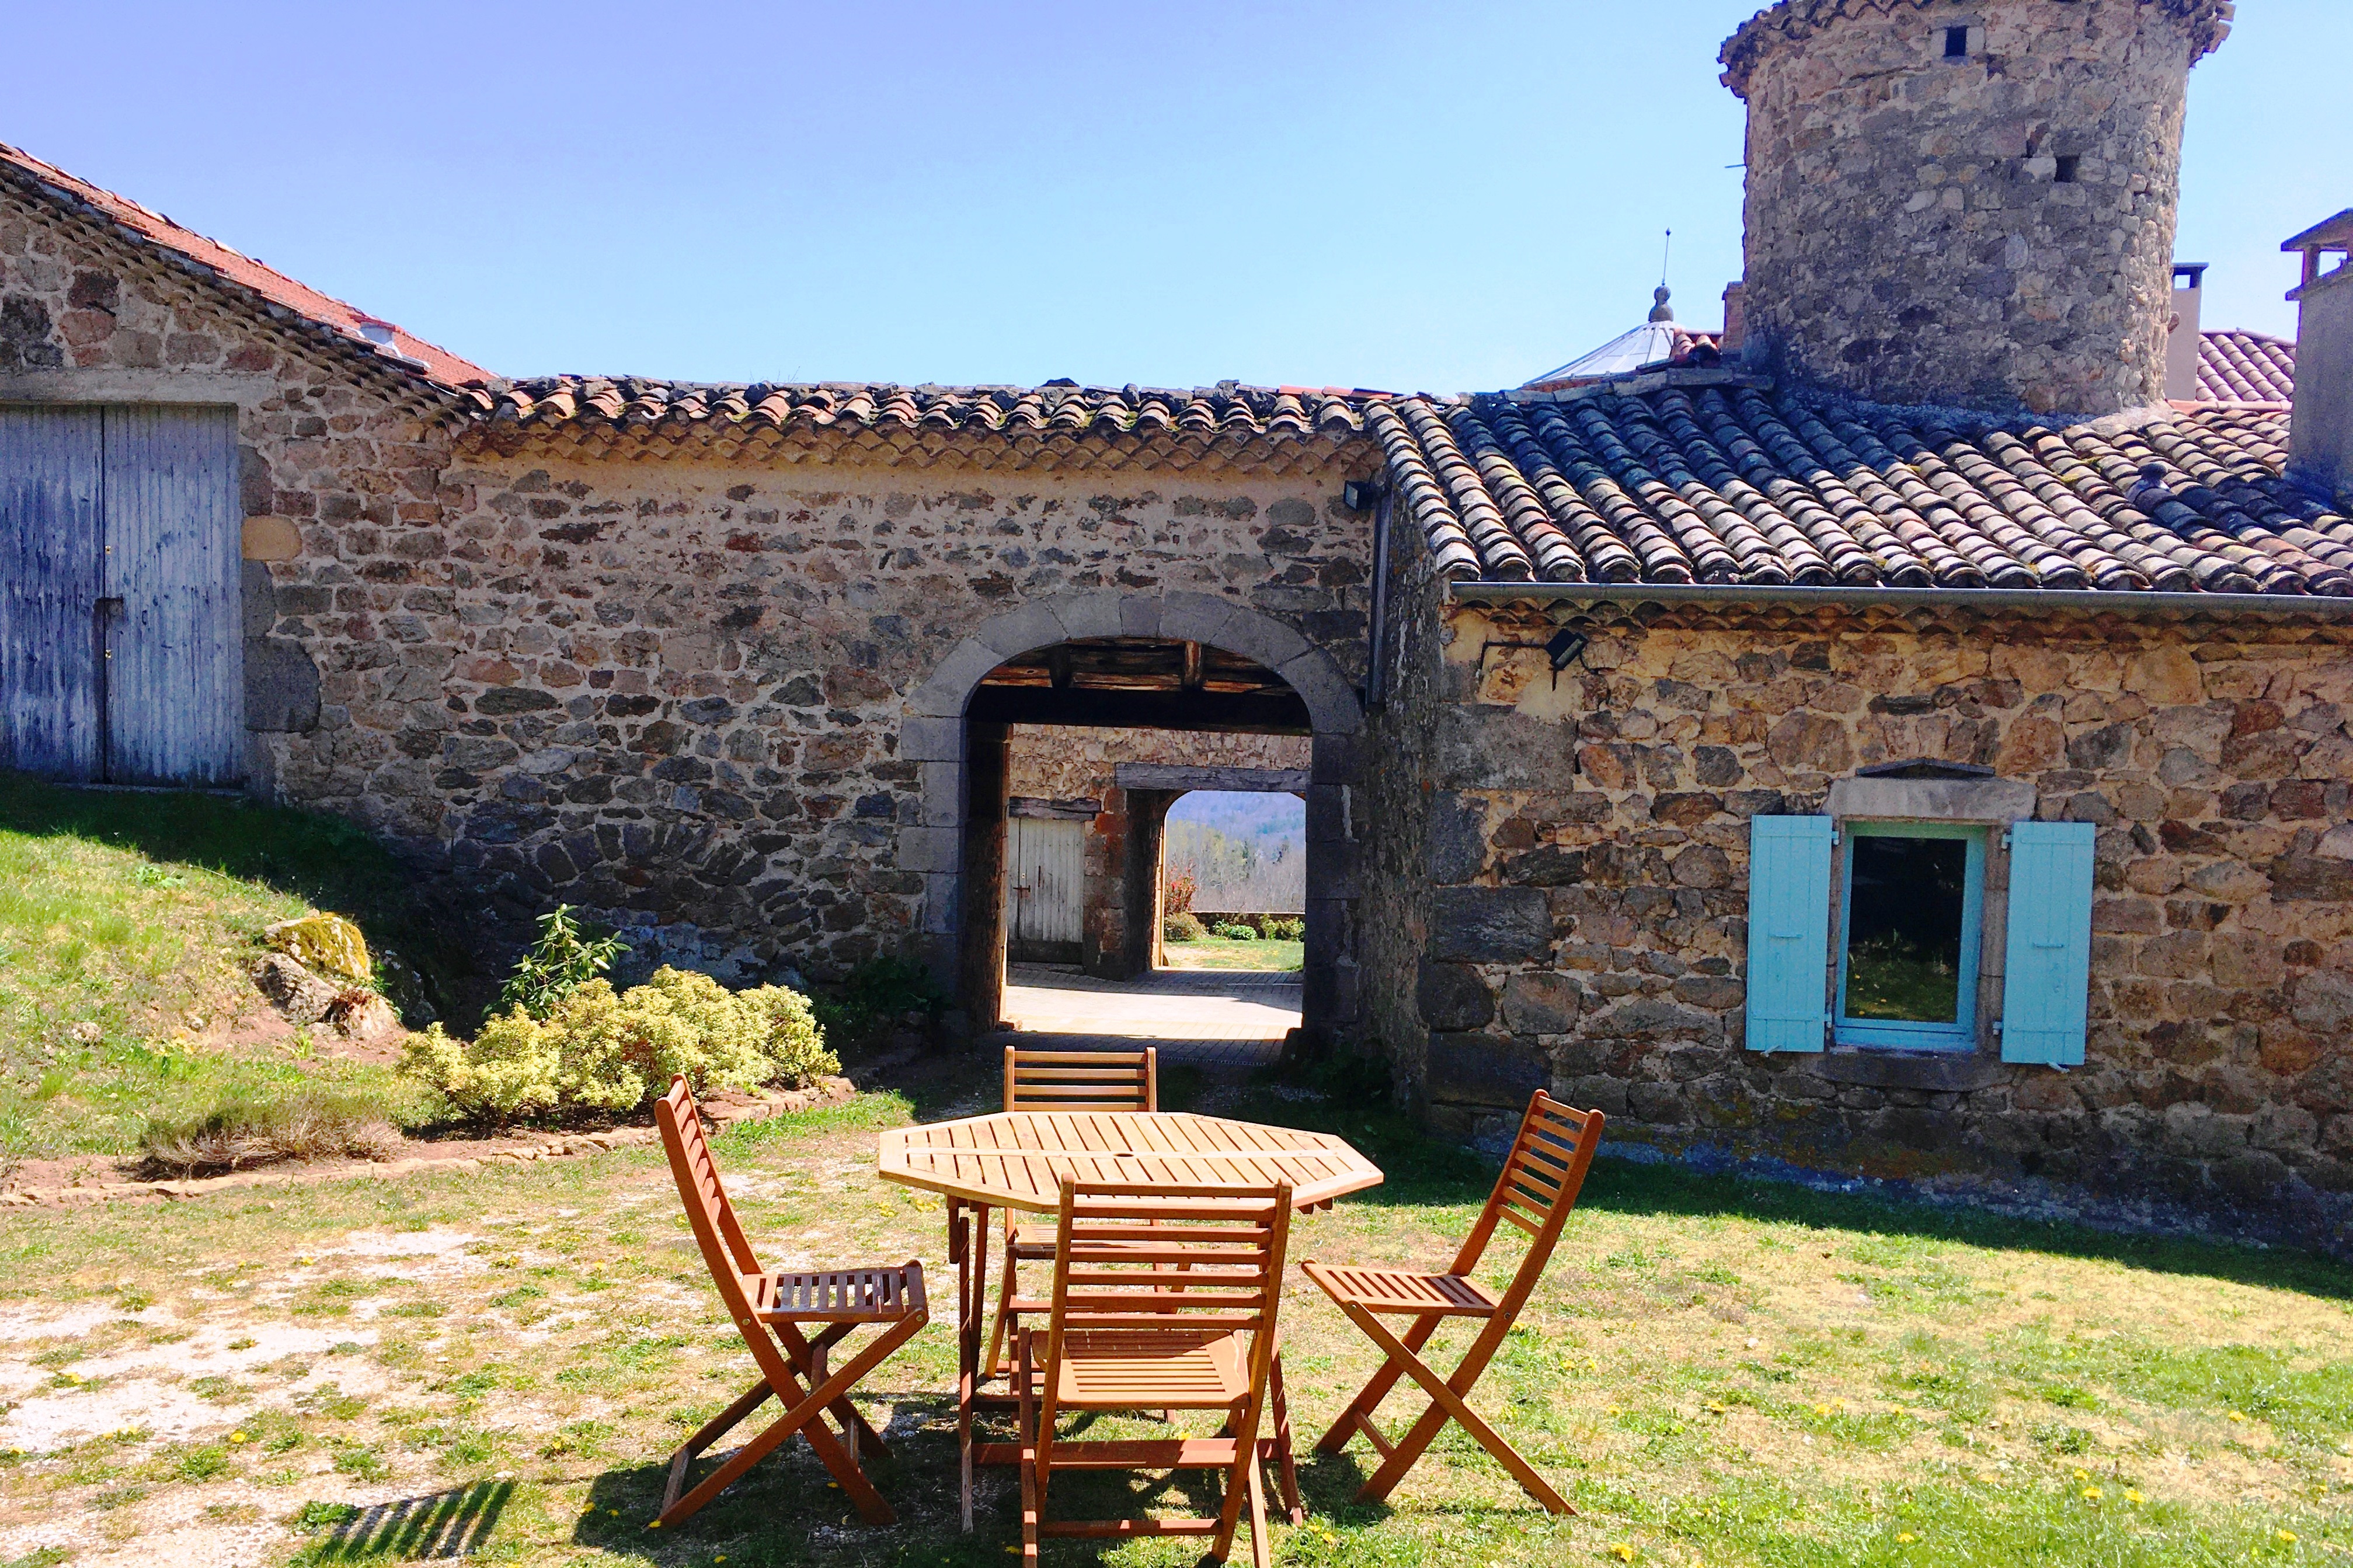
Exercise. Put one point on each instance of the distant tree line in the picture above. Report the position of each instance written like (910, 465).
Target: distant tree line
(1234, 873)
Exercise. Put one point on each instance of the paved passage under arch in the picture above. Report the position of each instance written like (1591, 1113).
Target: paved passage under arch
(1216, 1019)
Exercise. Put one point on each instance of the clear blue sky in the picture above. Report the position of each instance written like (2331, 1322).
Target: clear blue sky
(1410, 197)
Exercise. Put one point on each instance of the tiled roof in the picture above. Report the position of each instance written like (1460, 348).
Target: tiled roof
(1716, 478)
(2209, 22)
(626, 404)
(357, 330)
(2245, 368)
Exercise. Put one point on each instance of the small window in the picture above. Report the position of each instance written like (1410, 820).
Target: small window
(1913, 905)
(2064, 173)
(1956, 43)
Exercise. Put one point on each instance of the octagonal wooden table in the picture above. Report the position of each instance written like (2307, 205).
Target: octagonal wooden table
(1018, 1160)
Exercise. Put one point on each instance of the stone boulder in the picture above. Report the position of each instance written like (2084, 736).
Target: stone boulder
(329, 944)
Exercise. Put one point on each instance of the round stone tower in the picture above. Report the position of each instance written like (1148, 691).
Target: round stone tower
(1967, 201)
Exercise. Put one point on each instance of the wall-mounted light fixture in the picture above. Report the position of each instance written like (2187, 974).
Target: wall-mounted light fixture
(1359, 495)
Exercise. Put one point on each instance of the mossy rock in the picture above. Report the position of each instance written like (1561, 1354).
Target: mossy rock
(328, 943)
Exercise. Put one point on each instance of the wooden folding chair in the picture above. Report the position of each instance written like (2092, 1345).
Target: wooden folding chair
(1537, 1189)
(764, 1305)
(1117, 1338)
(1061, 1080)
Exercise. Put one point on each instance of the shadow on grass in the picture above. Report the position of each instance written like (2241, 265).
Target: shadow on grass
(786, 1510)
(323, 860)
(454, 1523)
(1424, 1170)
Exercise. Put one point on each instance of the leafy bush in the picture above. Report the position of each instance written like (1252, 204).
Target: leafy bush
(1285, 928)
(1234, 931)
(1176, 893)
(878, 993)
(257, 1127)
(564, 959)
(1183, 926)
(600, 1050)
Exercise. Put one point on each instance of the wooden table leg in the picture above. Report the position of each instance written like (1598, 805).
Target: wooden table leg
(968, 1247)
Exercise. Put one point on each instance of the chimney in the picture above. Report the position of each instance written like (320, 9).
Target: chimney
(1736, 324)
(2181, 342)
(2320, 430)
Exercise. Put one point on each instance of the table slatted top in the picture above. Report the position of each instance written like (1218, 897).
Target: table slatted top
(1017, 1159)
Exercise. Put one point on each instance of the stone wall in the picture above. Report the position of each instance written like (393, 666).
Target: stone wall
(1062, 762)
(350, 603)
(1588, 842)
(1994, 230)
(672, 690)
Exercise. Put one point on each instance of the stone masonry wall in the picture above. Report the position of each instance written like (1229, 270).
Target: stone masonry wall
(1062, 762)
(671, 692)
(349, 597)
(1995, 230)
(1588, 841)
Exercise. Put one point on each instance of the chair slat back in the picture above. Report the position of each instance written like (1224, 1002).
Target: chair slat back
(1541, 1178)
(1082, 1080)
(1146, 1257)
(726, 1252)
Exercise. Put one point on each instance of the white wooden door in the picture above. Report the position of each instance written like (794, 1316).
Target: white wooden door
(1045, 872)
(121, 657)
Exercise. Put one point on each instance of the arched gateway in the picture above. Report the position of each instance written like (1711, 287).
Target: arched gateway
(1281, 683)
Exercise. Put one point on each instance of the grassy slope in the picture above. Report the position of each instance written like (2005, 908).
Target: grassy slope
(1714, 1371)
(126, 922)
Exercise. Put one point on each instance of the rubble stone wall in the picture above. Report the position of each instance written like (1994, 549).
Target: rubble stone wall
(1060, 763)
(1587, 848)
(349, 594)
(1994, 230)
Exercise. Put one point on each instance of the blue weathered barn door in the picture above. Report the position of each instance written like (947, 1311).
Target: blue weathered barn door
(51, 537)
(121, 656)
(175, 670)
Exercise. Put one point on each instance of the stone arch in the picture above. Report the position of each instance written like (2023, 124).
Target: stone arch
(954, 774)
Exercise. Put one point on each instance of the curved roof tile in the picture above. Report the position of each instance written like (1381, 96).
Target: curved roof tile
(1715, 482)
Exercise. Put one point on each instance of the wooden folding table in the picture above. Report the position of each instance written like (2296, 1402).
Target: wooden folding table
(1018, 1160)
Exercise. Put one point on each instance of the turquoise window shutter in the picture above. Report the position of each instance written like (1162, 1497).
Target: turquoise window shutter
(2047, 971)
(1788, 933)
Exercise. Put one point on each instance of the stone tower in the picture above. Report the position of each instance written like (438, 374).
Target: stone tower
(1967, 201)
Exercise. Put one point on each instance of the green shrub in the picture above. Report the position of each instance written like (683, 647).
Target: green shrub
(1286, 928)
(600, 1050)
(876, 995)
(1234, 931)
(1183, 926)
(564, 959)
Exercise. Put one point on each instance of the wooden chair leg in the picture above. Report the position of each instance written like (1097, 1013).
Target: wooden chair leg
(1286, 1463)
(998, 1326)
(1377, 1388)
(1259, 1553)
(709, 1433)
(1033, 1500)
(804, 1417)
(1446, 1400)
(809, 1360)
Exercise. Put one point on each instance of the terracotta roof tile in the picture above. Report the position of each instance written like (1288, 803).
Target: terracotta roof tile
(358, 330)
(606, 405)
(1714, 479)
(2245, 368)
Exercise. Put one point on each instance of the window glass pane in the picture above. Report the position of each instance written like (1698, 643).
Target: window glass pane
(1903, 928)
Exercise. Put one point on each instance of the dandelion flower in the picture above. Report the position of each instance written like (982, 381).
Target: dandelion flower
(2131, 1494)
(2082, 1474)
(1905, 1537)
(1822, 1410)
(2284, 1537)
(2238, 1415)
(1622, 1551)
(238, 1436)
(1717, 1407)
(2092, 1494)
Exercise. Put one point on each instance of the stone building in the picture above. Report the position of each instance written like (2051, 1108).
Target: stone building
(1902, 734)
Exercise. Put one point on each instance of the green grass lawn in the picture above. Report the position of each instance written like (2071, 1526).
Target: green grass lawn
(126, 922)
(1218, 953)
(1715, 1372)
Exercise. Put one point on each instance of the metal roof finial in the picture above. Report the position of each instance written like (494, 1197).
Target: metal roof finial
(1659, 310)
